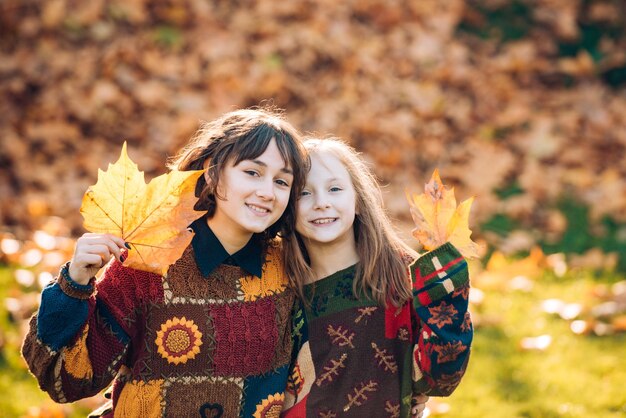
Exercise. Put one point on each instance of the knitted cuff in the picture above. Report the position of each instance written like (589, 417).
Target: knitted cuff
(438, 273)
(73, 289)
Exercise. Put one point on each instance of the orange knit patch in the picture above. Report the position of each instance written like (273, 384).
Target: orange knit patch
(77, 361)
(273, 280)
(270, 407)
(140, 399)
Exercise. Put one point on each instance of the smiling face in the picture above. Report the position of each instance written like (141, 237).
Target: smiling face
(327, 206)
(254, 194)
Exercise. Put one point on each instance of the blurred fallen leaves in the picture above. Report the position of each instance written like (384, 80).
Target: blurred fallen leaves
(436, 84)
(601, 311)
(518, 115)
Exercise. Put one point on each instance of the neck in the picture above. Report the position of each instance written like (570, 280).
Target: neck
(232, 242)
(327, 259)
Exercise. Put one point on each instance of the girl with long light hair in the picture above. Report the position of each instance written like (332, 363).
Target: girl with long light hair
(377, 327)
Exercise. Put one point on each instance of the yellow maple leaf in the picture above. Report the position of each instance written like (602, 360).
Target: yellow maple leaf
(438, 219)
(152, 217)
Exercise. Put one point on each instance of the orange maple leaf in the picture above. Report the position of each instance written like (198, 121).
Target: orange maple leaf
(152, 217)
(438, 219)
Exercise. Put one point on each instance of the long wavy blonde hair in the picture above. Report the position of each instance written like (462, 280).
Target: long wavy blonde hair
(382, 272)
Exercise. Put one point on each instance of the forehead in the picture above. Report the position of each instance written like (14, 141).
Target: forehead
(325, 165)
(272, 155)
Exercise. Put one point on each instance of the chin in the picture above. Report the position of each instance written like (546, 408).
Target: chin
(323, 240)
(256, 229)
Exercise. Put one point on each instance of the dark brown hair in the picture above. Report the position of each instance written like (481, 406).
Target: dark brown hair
(382, 272)
(243, 135)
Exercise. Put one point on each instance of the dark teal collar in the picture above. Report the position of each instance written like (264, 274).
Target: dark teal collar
(210, 252)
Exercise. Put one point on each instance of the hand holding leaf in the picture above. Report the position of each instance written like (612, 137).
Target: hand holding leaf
(438, 219)
(153, 218)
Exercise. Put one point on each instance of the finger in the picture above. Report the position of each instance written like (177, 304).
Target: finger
(110, 246)
(97, 244)
(421, 398)
(108, 239)
(118, 241)
(92, 252)
(114, 248)
(101, 250)
(89, 261)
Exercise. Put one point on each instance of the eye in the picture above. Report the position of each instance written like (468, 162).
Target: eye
(282, 182)
(252, 173)
(305, 193)
(335, 189)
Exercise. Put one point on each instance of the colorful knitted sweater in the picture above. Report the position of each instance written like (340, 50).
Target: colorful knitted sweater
(208, 340)
(358, 359)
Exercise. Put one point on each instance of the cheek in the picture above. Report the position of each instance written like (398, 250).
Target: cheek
(282, 197)
(222, 186)
(300, 216)
(300, 227)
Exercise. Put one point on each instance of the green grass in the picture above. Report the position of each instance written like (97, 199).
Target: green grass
(19, 392)
(577, 376)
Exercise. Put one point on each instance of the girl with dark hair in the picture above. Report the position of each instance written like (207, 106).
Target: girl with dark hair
(209, 338)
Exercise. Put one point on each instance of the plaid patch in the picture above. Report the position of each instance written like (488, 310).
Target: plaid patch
(437, 274)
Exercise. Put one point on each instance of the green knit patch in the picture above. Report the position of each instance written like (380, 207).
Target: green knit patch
(334, 294)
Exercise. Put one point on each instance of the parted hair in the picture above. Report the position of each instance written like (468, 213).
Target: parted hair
(382, 271)
(239, 135)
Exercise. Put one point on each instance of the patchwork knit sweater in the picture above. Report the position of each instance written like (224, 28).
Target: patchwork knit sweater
(184, 345)
(355, 358)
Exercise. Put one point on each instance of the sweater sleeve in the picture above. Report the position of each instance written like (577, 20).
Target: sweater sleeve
(442, 326)
(80, 336)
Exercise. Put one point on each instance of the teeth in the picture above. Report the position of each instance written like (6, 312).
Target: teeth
(258, 209)
(324, 221)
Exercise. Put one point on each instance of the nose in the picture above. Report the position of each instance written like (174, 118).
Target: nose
(321, 202)
(266, 191)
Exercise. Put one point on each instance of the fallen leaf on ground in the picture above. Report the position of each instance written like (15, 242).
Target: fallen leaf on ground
(540, 343)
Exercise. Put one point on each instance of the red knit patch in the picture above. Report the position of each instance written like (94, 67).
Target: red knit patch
(124, 289)
(103, 347)
(395, 320)
(245, 336)
(296, 411)
(424, 299)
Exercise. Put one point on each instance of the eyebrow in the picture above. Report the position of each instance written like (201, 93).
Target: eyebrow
(331, 180)
(262, 164)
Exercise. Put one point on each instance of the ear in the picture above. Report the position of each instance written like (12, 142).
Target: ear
(205, 167)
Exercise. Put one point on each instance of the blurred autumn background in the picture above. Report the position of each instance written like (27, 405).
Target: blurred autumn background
(520, 103)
